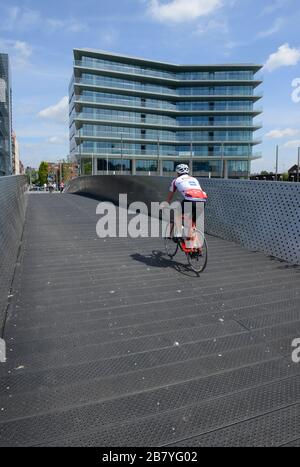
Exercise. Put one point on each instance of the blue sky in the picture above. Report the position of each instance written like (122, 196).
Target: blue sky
(40, 36)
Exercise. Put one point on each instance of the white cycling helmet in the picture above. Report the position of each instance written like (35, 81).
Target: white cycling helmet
(182, 169)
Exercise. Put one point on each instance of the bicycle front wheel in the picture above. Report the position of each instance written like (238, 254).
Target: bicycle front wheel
(198, 258)
(171, 245)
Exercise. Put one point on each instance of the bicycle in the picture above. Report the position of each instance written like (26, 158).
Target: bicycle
(194, 246)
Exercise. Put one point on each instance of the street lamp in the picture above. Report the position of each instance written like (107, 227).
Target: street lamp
(277, 156)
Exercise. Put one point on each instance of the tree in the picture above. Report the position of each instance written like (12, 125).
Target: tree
(87, 168)
(32, 175)
(264, 172)
(66, 171)
(285, 177)
(43, 173)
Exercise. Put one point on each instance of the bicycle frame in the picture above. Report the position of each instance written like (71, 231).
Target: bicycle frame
(194, 246)
(190, 237)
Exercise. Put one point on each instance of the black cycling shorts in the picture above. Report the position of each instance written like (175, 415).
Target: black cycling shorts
(187, 210)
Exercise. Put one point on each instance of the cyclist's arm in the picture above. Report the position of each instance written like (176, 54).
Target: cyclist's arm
(169, 197)
(171, 193)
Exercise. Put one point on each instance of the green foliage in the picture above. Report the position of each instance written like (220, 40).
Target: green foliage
(43, 173)
(285, 177)
(66, 171)
(87, 168)
(264, 172)
(32, 175)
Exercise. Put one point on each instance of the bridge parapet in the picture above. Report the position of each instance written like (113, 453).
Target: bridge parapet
(12, 215)
(258, 215)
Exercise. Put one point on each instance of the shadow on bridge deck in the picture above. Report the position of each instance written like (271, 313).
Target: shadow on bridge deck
(110, 343)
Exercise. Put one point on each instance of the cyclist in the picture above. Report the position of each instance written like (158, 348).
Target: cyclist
(190, 189)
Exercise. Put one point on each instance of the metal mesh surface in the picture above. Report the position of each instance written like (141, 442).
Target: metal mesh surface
(110, 343)
(263, 216)
(12, 214)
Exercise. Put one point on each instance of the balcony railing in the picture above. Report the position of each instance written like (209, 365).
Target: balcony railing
(162, 105)
(155, 137)
(122, 85)
(163, 122)
(161, 90)
(162, 154)
(125, 119)
(126, 102)
(180, 76)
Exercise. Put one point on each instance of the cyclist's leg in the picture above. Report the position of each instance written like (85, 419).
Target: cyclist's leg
(199, 215)
(191, 217)
(178, 221)
(172, 235)
(194, 212)
(197, 223)
(187, 209)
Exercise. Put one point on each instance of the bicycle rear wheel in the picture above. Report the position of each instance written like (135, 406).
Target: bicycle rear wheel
(198, 258)
(170, 245)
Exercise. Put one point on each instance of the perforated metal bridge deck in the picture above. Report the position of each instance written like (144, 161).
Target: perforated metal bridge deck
(110, 343)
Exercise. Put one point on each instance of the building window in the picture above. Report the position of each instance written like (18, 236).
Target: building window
(237, 168)
(146, 166)
(169, 166)
(114, 165)
(206, 167)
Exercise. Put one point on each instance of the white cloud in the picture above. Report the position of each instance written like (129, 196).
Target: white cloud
(57, 112)
(19, 52)
(284, 56)
(274, 134)
(20, 19)
(211, 26)
(276, 27)
(296, 93)
(292, 144)
(180, 11)
(25, 19)
(108, 36)
(230, 45)
(58, 139)
(275, 5)
(68, 25)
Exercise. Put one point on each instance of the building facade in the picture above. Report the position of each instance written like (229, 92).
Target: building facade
(5, 117)
(135, 116)
(16, 163)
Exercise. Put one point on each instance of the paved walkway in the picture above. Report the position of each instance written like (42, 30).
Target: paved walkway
(110, 343)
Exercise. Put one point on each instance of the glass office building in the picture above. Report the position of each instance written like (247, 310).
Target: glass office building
(5, 117)
(135, 116)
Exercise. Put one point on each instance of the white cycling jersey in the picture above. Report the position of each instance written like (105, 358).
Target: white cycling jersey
(188, 187)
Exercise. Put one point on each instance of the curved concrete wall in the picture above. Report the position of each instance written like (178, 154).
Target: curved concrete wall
(263, 216)
(12, 215)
